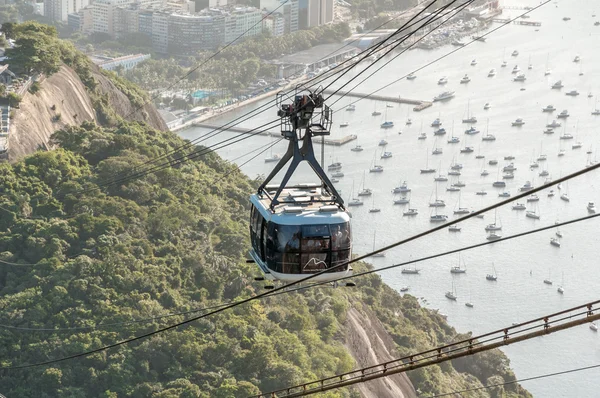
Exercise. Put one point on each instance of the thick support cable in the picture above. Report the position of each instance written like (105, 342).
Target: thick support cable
(503, 337)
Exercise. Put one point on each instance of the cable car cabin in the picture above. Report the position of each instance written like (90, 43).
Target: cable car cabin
(300, 237)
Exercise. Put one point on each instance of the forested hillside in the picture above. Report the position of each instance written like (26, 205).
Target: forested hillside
(85, 264)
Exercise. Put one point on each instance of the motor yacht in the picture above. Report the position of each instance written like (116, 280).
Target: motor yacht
(446, 95)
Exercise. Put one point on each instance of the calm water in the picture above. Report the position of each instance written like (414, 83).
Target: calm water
(522, 265)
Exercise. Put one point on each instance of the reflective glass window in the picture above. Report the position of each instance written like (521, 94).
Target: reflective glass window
(286, 238)
(340, 236)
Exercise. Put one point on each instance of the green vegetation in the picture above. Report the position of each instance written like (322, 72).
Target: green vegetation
(368, 8)
(14, 99)
(237, 66)
(169, 242)
(35, 87)
(39, 50)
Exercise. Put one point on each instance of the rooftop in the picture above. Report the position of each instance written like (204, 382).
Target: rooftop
(315, 54)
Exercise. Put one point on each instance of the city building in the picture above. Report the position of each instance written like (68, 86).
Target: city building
(204, 4)
(190, 33)
(126, 62)
(160, 31)
(319, 12)
(274, 23)
(289, 10)
(313, 60)
(127, 20)
(81, 21)
(59, 10)
(145, 22)
(104, 15)
(242, 22)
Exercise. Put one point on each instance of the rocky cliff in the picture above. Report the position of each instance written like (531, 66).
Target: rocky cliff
(369, 343)
(64, 100)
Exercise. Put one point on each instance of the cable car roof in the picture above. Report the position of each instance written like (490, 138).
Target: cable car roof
(302, 204)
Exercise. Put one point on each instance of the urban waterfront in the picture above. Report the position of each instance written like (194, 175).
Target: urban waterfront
(523, 264)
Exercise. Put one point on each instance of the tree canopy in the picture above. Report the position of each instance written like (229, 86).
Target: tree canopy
(93, 255)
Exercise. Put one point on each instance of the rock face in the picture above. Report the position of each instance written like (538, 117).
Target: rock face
(124, 108)
(369, 344)
(36, 120)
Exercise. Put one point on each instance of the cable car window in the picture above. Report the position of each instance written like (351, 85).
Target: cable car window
(340, 236)
(264, 240)
(286, 238)
(340, 257)
(315, 230)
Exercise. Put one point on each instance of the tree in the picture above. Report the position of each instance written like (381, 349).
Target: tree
(8, 29)
(14, 99)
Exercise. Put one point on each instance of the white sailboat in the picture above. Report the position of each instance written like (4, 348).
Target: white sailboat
(495, 226)
(492, 277)
(469, 303)
(457, 269)
(380, 254)
(461, 210)
(451, 295)
(561, 288)
(548, 281)
(411, 271)
(427, 169)
(364, 191)
(374, 209)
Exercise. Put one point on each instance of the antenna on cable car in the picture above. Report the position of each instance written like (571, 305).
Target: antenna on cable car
(305, 117)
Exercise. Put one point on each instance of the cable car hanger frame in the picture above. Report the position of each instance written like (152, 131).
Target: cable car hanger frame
(307, 112)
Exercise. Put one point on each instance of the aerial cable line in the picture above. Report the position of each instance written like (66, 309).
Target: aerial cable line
(285, 288)
(414, 237)
(437, 352)
(318, 284)
(453, 51)
(473, 345)
(271, 102)
(187, 144)
(580, 172)
(449, 252)
(197, 153)
(456, 11)
(239, 166)
(440, 57)
(191, 156)
(431, 16)
(186, 75)
(506, 383)
(265, 106)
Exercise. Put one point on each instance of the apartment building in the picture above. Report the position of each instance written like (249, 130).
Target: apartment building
(59, 10)
(190, 33)
(319, 12)
(160, 31)
(274, 23)
(242, 22)
(104, 14)
(127, 20)
(288, 8)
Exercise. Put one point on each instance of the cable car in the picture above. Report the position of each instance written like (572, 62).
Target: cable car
(303, 229)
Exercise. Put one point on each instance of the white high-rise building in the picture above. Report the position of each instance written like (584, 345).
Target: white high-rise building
(242, 21)
(320, 12)
(58, 10)
(289, 10)
(105, 16)
(105, 12)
